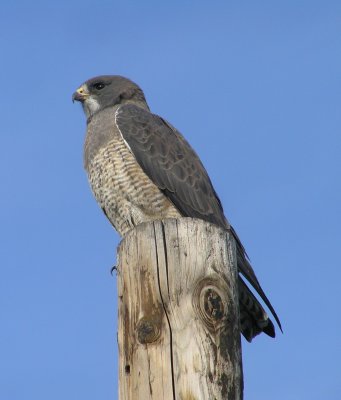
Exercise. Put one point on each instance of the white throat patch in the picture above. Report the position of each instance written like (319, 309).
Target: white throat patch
(90, 106)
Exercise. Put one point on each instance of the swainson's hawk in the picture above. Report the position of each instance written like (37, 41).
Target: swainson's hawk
(141, 169)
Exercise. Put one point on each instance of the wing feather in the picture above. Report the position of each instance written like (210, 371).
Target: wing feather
(171, 163)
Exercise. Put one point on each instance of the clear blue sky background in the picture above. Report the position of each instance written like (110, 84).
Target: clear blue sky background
(255, 87)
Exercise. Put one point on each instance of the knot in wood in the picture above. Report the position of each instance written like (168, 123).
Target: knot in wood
(209, 302)
(213, 305)
(148, 330)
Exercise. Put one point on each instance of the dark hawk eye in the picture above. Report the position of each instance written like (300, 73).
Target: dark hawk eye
(99, 85)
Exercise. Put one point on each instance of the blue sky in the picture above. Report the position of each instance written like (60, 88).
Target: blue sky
(255, 88)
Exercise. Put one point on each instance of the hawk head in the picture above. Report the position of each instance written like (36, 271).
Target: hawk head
(105, 91)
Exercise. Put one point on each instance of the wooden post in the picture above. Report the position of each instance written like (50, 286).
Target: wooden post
(179, 335)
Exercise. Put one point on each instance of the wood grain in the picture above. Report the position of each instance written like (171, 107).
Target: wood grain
(179, 332)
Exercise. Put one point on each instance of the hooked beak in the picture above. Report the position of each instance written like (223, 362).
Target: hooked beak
(80, 94)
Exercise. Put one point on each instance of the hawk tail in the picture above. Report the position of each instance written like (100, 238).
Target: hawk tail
(253, 318)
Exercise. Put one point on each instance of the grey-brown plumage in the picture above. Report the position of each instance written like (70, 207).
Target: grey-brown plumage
(141, 168)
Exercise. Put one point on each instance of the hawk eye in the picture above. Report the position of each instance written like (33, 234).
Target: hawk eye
(99, 85)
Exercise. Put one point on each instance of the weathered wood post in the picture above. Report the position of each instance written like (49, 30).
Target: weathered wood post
(178, 332)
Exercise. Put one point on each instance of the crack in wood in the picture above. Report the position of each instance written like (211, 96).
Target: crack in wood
(165, 251)
(163, 305)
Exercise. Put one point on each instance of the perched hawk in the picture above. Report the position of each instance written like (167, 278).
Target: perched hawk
(141, 169)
